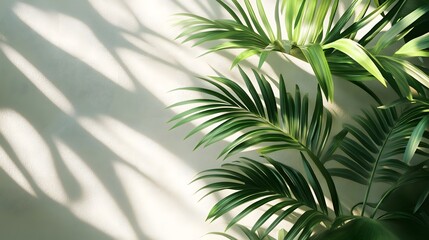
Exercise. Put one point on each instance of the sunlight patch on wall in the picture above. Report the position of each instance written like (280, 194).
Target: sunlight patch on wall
(130, 145)
(150, 200)
(117, 144)
(334, 108)
(76, 38)
(38, 79)
(116, 13)
(141, 152)
(106, 216)
(7, 164)
(154, 75)
(33, 152)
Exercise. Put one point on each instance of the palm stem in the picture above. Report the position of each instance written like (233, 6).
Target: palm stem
(374, 170)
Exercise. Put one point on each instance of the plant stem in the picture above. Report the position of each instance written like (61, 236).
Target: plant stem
(371, 179)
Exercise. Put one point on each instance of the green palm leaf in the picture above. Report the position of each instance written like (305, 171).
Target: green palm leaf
(279, 187)
(395, 33)
(358, 54)
(380, 148)
(413, 175)
(416, 47)
(372, 153)
(284, 122)
(304, 27)
(257, 122)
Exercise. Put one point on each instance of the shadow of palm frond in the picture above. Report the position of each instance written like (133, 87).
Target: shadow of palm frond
(56, 90)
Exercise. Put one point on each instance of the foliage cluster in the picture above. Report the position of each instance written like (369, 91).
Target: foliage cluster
(387, 144)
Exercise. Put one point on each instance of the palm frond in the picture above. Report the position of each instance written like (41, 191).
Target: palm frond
(396, 32)
(373, 151)
(275, 185)
(304, 27)
(418, 47)
(285, 123)
(262, 122)
(412, 176)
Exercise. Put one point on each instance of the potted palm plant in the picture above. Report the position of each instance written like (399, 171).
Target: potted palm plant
(387, 144)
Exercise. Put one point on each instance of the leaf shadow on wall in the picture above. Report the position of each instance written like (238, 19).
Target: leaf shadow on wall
(67, 116)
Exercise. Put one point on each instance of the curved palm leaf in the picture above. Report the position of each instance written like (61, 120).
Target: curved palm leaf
(260, 123)
(414, 175)
(285, 123)
(373, 151)
(278, 186)
(327, 47)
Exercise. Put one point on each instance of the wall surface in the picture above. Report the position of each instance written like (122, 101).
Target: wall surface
(85, 148)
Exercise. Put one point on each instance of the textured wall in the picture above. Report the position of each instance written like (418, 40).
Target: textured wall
(85, 151)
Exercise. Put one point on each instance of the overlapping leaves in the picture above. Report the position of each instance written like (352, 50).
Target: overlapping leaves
(280, 187)
(232, 109)
(262, 121)
(381, 146)
(329, 45)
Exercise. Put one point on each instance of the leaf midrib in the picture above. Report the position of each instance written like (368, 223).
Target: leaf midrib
(377, 161)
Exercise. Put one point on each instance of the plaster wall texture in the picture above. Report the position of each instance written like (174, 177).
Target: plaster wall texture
(85, 150)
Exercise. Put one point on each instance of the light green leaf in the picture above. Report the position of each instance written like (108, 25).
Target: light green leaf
(306, 26)
(316, 57)
(410, 69)
(391, 35)
(265, 20)
(415, 139)
(254, 19)
(291, 10)
(416, 47)
(334, 33)
(319, 20)
(243, 55)
(355, 51)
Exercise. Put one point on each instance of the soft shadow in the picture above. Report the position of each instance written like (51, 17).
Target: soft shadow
(93, 96)
(52, 220)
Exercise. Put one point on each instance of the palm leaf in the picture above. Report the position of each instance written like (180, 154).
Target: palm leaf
(316, 57)
(358, 54)
(347, 55)
(413, 175)
(290, 122)
(235, 111)
(395, 33)
(370, 154)
(279, 187)
(415, 138)
(416, 47)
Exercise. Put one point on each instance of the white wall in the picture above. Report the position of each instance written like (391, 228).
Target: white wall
(85, 150)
